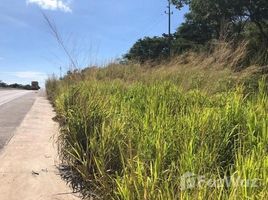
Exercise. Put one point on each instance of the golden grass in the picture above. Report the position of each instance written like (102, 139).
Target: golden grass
(131, 131)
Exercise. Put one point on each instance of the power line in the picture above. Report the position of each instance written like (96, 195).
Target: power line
(152, 25)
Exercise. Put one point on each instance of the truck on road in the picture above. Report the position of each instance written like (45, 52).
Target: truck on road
(35, 85)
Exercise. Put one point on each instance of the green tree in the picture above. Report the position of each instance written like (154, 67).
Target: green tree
(257, 12)
(227, 17)
(198, 32)
(149, 49)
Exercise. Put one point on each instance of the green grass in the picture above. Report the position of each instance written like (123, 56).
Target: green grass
(136, 140)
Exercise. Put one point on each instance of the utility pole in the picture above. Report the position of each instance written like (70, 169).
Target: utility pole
(60, 72)
(169, 13)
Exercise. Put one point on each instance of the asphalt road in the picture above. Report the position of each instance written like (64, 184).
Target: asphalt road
(14, 105)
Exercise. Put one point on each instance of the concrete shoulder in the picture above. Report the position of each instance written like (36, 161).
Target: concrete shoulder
(28, 163)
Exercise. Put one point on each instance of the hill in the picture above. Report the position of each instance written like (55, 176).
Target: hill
(190, 128)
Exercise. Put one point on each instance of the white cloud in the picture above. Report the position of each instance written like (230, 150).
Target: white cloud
(52, 4)
(30, 75)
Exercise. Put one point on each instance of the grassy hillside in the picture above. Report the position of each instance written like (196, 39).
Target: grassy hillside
(191, 128)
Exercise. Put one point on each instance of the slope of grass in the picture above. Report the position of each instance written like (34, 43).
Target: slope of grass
(133, 133)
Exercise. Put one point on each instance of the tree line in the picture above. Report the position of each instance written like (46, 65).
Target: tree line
(207, 21)
(15, 86)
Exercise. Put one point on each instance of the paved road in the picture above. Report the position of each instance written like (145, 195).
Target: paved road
(14, 105)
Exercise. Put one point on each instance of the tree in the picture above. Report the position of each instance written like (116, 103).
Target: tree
(149, 49)
(180, 3)
(209, 20)
(198, 32)
(2, 84)
(257, 12)
(227, 17)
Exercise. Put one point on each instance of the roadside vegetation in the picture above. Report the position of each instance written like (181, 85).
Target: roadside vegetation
(132, 132)
(180, 117)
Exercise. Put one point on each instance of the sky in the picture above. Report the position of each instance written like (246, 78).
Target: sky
(94, 32)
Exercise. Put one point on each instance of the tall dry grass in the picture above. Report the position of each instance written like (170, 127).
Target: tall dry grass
(137, 141)
(133, 132)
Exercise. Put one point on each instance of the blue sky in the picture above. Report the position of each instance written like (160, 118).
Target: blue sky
(95, 32)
